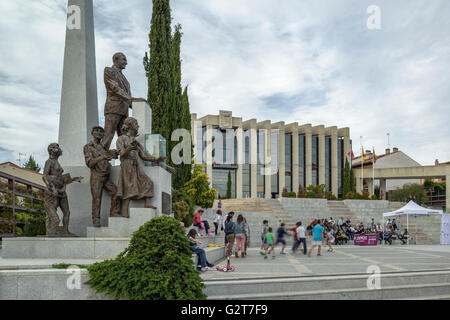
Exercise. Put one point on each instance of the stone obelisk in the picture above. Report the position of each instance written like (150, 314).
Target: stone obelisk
(79, 104)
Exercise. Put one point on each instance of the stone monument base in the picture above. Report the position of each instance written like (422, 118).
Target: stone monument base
(80, 198)
(123, 227)
(63, 248)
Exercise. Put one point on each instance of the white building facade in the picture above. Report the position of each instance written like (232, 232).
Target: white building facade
(263, 158)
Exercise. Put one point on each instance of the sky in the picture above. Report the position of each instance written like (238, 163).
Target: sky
(310, 61)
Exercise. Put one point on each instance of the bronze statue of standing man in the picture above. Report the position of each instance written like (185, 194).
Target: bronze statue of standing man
(97, 159)
(118, 100)
(55, 195)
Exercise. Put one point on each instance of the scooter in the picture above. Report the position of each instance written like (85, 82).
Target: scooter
(228, 268)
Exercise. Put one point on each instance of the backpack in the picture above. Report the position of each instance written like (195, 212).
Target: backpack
(229, 228)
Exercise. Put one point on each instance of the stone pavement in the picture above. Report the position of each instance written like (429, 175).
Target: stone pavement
(344, 260)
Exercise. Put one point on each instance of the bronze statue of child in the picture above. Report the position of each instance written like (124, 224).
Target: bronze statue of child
(55, 195)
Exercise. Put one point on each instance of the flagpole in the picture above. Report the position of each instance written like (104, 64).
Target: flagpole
(362, 162)
(373, 170)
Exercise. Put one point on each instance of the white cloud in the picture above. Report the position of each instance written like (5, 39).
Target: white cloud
(295, 61)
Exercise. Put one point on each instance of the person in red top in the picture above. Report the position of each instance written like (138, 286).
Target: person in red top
(201, 224)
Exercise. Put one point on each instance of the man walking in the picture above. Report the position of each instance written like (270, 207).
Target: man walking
(317, 239)
(301, 237)
(97, 159)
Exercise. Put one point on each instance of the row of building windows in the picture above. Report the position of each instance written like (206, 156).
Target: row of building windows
(225, 153)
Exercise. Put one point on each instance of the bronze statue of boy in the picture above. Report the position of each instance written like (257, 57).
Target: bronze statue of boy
(55, 194)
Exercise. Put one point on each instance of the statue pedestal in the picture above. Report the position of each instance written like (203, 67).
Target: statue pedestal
(80, 199)
(123, 227)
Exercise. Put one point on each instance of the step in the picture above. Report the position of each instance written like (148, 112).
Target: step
(390, 293)
(288, 285)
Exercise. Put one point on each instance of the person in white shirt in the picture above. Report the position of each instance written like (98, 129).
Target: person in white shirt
(330, 239)
(217, 219)
(301, 237)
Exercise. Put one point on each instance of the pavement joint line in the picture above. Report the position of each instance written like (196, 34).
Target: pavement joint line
(374, 262)
(301, 268)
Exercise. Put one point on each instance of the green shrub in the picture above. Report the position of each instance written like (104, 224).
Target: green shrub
(181, 196)
(157, 265)
(292, 195)
(330, 196)
(35, 227)
(365, 195)
(357, 196)
(301, 193)
(374, 197)
(349, 195)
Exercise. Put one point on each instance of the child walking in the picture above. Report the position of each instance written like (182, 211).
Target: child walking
(269, 243)
(264, 230)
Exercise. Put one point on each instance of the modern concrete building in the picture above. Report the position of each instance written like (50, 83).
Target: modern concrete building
(263, 158)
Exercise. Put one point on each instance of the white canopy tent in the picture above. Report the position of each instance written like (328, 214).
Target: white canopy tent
(412, 209)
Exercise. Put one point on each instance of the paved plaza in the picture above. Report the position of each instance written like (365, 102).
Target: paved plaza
(344, 260)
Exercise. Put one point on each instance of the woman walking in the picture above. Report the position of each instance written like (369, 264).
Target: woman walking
(240, 236)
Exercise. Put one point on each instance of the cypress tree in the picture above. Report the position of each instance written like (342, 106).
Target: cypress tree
(347, 179)
(174, 120)
(158, 67)
(186, 124)
(228, 195)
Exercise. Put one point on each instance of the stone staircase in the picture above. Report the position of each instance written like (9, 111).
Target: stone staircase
(244, 205)
(421, 285)
(338, 210)
(282, 215)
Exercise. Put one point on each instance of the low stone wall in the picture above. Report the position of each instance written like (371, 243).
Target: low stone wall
(63, 248)
(44, 285)
(53, 284)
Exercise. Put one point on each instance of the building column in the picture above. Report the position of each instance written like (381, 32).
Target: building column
(322, 156)
(334, 163)
(347, 147)
(209, 149)
(383, 189)
(295, 160)
(370, 186)
(447, 193)
(308, 157)
(253, 160)
(267, 163)
(240, 160)
(281, 161)
(359, 185)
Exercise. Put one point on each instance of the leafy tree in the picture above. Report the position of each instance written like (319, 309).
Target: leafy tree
(413, 189)
(31, 164)
(157, 265)
(198, 189)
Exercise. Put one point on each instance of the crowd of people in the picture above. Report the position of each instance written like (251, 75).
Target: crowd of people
(328, 231)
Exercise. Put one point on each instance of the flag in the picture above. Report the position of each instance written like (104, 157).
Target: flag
(374, 155)
(351, 154)
(363, 155)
